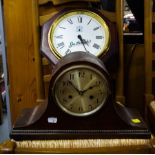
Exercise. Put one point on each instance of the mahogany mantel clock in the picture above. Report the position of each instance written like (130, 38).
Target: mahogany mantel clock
(80, 105)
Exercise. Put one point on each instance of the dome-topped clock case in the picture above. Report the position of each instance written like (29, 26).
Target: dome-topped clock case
(80, 84)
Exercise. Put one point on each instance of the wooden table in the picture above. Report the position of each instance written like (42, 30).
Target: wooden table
(80, 146)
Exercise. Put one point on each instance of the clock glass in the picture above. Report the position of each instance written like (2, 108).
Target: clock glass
(79, 30)
(81, 90)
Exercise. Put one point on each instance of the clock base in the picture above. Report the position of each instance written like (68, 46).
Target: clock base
(79, 134)
(110, 122)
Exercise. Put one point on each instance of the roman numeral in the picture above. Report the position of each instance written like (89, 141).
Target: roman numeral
(61, 91)
(91, 76)
(96, 28)
(61, 45)
(70, 21)
(65, 83)
(90, 107)
(68, 51)
(64, 100)
(79, 19)
(96, 46)
(89, 22)
(71, 107)
(71, 76)
(99, 37)
(62, 27)
(80, 109)
(81, 74)
(59, 37)
(98, 82)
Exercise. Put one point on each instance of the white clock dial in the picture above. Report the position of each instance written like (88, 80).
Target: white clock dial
(79, 30)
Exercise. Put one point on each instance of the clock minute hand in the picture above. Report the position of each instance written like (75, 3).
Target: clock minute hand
(80, 38)
(74, 87)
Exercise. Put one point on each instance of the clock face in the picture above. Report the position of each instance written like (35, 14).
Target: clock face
(81, 90)
(79, 30)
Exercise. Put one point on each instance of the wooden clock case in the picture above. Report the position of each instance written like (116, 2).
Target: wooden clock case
(110, 59)
(48, 121)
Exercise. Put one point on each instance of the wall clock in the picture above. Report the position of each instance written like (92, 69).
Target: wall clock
(80, 105)
(84, 30)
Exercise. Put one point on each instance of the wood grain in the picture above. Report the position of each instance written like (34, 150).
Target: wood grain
(20, 55)
(58, 2)
(120, 76)
(48, 11)
(148, 45)
(22, 19)
(37, 60)
(80, 146)
(134, 76)
(148, 40)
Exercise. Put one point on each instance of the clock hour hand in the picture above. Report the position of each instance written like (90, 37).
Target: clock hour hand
(91, 87)
(82, 41)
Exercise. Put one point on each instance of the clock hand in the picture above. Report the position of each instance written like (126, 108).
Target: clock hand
(91, 87)
(80, 38)
(85, 42)
(74, 86)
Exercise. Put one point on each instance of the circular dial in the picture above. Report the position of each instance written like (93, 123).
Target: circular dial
(79, 30)
(81, 90)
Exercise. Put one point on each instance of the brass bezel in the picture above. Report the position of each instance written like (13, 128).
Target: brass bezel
(77, 67)
(66, 14)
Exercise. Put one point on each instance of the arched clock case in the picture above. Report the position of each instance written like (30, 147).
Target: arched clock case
(80, 105)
